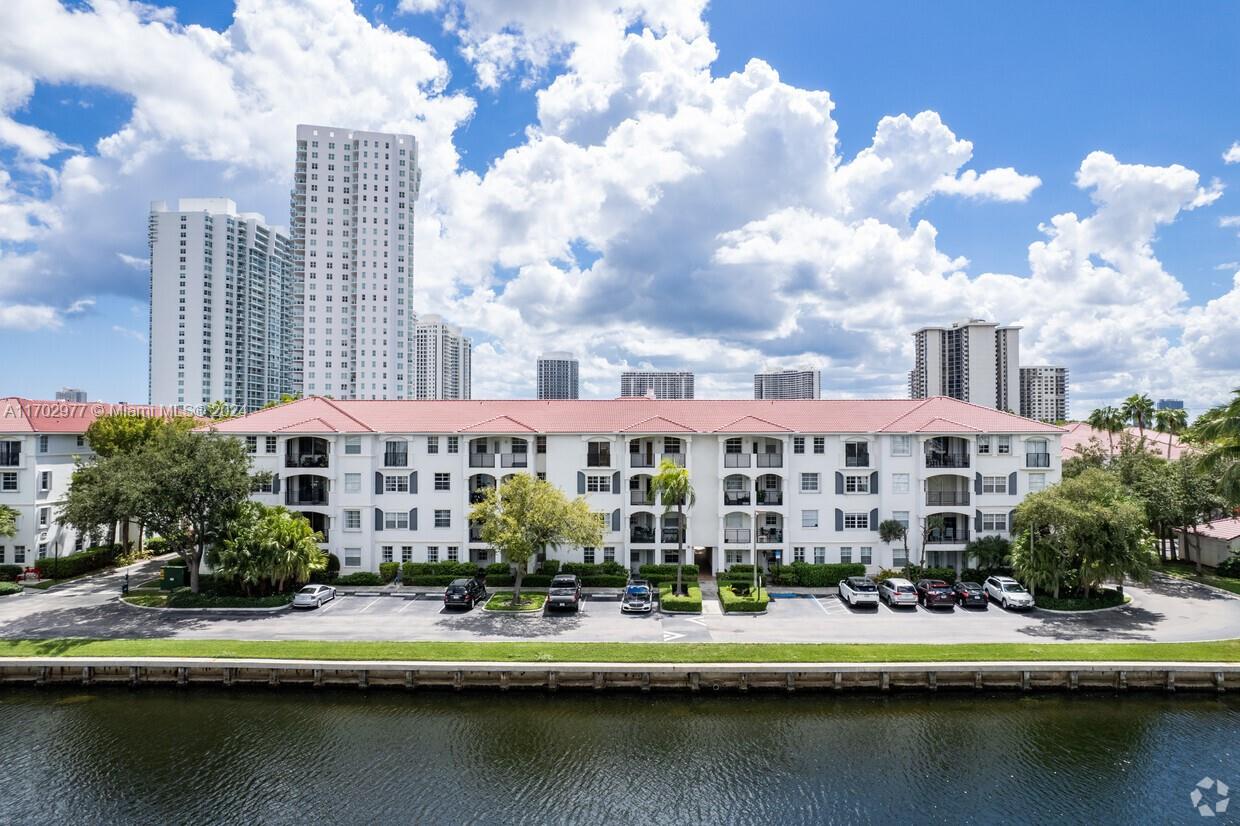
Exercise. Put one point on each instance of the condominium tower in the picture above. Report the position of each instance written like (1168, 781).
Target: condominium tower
(974, 361)
(557, 376)
(1044, 393)
(441, 360)
(71, 394)
(665, 385)
(352, 228)
(788, 384)
(222, 306)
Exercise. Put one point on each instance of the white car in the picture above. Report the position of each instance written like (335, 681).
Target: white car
(859, 590)
(897, 591)
(313, 596)
(1008, 592)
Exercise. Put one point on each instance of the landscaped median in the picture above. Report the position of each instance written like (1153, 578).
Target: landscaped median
(690, 603)
(1225, 651)
(184, 598)
(741, 599)
(503, 602)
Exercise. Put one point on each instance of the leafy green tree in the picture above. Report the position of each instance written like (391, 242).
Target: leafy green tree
(8, 521)
(285, 398)
(1107, 419)
(1139, 410)
(1091, 454)
(891, 530)
(672, 483)
(115, 433)
(991, 552)
(525, 515)
(1218, 429)
(1171, 422)
(219, 410)
(267, 548)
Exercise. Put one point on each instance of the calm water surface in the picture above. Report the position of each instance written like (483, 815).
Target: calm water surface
(111, 756)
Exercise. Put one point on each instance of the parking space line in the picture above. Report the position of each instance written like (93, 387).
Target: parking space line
(370, 605)
(821, 607)
(405, 607)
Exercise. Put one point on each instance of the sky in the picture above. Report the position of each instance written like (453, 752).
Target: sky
(724, 187)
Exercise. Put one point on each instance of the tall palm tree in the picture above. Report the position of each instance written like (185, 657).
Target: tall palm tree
(671, 482)
(1171, 422)
(1219, 431)
(1108, 419)
(1139, 410)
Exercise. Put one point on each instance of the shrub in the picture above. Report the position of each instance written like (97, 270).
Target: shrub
(661, 574)
(157, 545)
(887, 573)
(10, 573)
(584, 570)
(360, 578)
(809, 575)
(550, 567)
(7, 588)
(453, 570)
(743, 602)
(604, 581)
(91, 559)
(387, 570)
(1229, 566)
(979, 575)
(916, 572)
(687, 602)
(1106, 599)
(185, 598)
(498, 569)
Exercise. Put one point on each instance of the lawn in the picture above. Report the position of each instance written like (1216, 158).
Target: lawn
(503, 602)
(1188, 570)
(618, 652)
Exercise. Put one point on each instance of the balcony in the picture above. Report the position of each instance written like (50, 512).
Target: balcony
(948, 536)
(736, 498)
(640, 534)
(598, 460)
(947, 497)
(482, 460)
(393, 458)
(514, 460)
(318, 460)
(641, 497)
(770, 497)
(313, 497)
(947, 460)
(1037, 460)
(770, 535)
(475, 533)
(671, 535)
(736, 536)
(638, 460)
(769, 459)
(736, 460)
(477, 495)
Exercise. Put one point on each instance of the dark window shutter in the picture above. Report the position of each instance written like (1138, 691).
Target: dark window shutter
(413, 519)
(581, 482)
(874, 519)
(839, 482)
(413, 482)
(1011, 483)
(839, 519)
(874, 482)
(275, 484)
(977, 483)
(615, 485)
(615, 520)
(378, 519)
(977, 521)
(378, 482)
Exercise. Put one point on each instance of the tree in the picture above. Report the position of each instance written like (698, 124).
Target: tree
(1139, 410)
(525, 514)
(1108, 419)
(1090, 454)
(107, 491)
(8, 521)
(991, 552)
(198, 481)
(219, 410)
(285, 398)
(674, 487)
(891, 530)
(268, 547)
(1171, 422)
(1219, 430)
(929, 525)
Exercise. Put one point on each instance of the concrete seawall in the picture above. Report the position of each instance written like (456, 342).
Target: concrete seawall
(738, 677)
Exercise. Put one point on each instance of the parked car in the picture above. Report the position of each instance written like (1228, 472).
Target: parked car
(1008, 592)
(897, 591)
(565, 592)
(464, 593)
(970, 595)
(859, 590)
(934, 593)
(638, 598)
(313, 596)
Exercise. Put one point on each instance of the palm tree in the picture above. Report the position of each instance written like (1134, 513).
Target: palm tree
(1219, 430)
(1139, 410)
(1171, 422)
(674, 487)
(1108, 419)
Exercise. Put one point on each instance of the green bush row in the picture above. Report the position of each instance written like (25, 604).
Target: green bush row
(745, 602)
(7, 588)
(916, 572)
(675, 602)
(584, 570)
(91, 559)
(809, 575)
(156, 545)
(1076, 602)
(10, 573)
(184, 598)
(360, 578)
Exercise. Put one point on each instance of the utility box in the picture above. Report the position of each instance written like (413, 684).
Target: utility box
(175, 576)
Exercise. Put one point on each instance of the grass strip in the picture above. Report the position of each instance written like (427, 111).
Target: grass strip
(529, 602)
(622, 652)
(1187, 570)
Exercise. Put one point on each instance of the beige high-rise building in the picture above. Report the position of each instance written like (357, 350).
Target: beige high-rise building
(975, 361)
(442, 360)
(1044, 393)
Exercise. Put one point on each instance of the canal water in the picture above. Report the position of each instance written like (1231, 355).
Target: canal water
(250, 757)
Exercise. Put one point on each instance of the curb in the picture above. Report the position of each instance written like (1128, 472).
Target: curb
(1127, 601)
(1213, 588)
(209, 610)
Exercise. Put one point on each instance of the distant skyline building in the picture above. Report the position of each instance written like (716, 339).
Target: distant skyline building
(352, 231)
(71, 394)
(664, 384)
(1169, 404)
(975, 361)
(1044, 393)
(442, 360)
(557, 376)
(223, 304)
(788, 384)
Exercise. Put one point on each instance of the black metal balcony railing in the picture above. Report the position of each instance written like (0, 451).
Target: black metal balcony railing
(1037, 460)
(514, 460)
(857, 461)
(770, 497)
(482, 460)
(733, 536)
(949, 536)
(639, 534)
(293, 496)
(736, 460)
(669, 535)
(677, 459)
(947, 460)
(947, 497)
(641, 497)
(735, 498)
(305, 460)
(770, 459)
(770, 534)
(598, 460)
(393, 458)
(638, 460)
(477, 495)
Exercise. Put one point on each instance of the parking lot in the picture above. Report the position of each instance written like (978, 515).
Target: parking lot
(1165, 610)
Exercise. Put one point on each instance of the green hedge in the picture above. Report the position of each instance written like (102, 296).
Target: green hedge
(1107, 599)
(409, 570)
(1229, 567)
(916, 572)
(156, 545)
(360, 578)
(808, 575)
(550, 567)
(184, 598)
(91, 559)
(7, 588)
(584, 570)
(387, 570)
(746, 602)
(10, 573)
(498, 569)
(663, 574)
(674, 602)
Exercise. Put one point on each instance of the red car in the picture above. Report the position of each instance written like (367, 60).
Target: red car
(934, 593)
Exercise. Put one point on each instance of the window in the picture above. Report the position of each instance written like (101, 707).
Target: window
(251, 444)
(899, 483)
(671, 557)
(598, 484)
(396, 454)
(983, 445)
(432, 553)
(1037, 482)
(432, 444)
(269, 444)
(598, 454)
(353, 483)
(901, 445)
(734, 557)
(856, 521)
(820, 555)
(899, 557)
(266, 486)
(8, 481)
(352, 445)
(809, 483)
(540, 444)
(867, 555)
(820, 444)
(43, 444)
(443, 481)
(44, 516)
(846, 555)
(609, 554)
(396, 520)
(45, 480)
(1003, 444)
(396, 484)
(856, 454)
(454, 444)
(81, 441)
(386, 553)
(798, 553)
(994, 521)
(10, 454)
(453, 553)
(352, 520)
(901, 517)
(353, 557)
(443, 519)
(809, 519)
(994, 484)
(798, 444)
(857, 483)
(587, 555)
(542, 475)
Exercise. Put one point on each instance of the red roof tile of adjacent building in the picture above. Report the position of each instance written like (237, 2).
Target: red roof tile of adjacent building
(936, 415)
(1225, 529)
(1079, 434)
(18, 415)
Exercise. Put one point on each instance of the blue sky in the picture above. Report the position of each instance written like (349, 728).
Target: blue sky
(1035, 87)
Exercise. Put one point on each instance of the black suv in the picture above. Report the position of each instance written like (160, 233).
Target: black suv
(464, 593)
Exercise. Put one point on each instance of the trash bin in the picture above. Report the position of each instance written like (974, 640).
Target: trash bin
(175, 576)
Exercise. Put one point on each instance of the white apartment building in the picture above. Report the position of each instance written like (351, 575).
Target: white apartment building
(775, 481)
(222, 306)
(40, 442)
(1044, 393)
(664, 384)
(788, 384)
(975, 361)
(442, 360)
(557, 376)
(352, 228)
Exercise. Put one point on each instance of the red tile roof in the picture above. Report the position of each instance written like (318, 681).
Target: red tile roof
(1225, 529)
(936, 415)
(1078, 434)
(18, 415)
